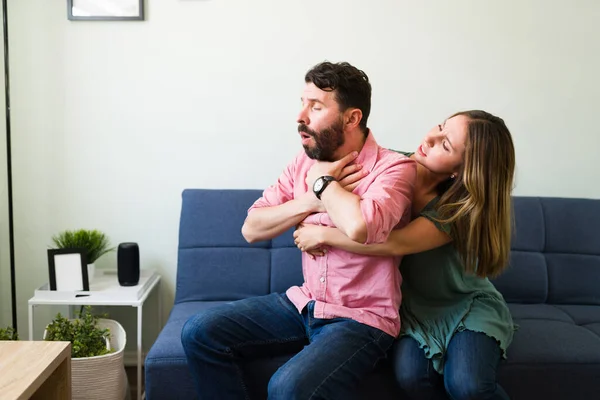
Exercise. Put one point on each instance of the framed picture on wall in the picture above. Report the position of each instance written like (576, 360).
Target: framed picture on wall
(105, 10)
(68, 269)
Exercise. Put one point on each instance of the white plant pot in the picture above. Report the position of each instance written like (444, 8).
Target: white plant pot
(101, 377)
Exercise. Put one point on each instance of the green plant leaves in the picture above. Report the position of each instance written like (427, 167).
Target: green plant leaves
(87, 339)
(94, 242)
(8, 334)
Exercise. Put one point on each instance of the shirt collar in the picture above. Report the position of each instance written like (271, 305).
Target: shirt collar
(368, 154)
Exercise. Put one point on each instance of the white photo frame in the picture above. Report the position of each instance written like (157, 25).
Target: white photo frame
(105, 10)
(68, 270)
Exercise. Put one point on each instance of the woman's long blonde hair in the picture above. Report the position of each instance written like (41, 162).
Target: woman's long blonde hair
(478, 202)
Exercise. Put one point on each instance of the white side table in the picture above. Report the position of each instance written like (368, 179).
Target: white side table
(105, 291)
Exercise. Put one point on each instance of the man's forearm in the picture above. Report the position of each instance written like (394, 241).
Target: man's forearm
(344, 210)
(267, 222)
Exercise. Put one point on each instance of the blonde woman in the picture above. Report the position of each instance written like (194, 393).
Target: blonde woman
(456, 326)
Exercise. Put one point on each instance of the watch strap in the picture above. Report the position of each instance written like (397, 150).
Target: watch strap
(327, 179)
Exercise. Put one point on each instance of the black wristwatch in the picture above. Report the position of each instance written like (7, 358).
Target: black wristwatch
(320, 184)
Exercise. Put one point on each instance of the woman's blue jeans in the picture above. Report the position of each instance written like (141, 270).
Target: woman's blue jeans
(469, 369)
(337, 353)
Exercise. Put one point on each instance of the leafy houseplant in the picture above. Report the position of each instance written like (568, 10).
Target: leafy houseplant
(94, 242)
(8, 334)
(87, 339)
(97, 373)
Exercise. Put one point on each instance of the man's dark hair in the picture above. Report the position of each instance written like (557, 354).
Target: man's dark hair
(350, 85)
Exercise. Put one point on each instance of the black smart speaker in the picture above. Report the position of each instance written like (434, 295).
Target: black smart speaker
(128, 264)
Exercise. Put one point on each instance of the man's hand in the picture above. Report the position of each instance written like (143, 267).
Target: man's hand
(351, 176)
(335, 168)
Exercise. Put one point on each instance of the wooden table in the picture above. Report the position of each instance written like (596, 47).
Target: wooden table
(35, 370)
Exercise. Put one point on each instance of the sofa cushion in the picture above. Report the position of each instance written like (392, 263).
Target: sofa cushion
(573, 278)
(220, 212)
(554, 335)
(538, 311)
(582, 315)
(555, 353)
(286, 269)
(595, 327)
(213, 273)
(529, 225)
(553, 342)
(526, 278)
(286, 239)
(209, 264)
(571, 225)
(555, 257)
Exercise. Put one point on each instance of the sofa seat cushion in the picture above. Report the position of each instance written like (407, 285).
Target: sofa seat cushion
(582, 315)
(555, 352)
(564, 329)
(538, 311)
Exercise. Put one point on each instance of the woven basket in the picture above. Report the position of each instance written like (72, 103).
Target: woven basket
(101, 377)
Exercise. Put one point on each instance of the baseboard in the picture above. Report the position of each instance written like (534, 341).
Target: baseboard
(130, 358)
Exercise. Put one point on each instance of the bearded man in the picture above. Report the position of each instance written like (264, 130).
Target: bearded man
(344, 317)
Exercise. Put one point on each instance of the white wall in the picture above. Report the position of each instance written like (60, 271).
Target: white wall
(112, 120)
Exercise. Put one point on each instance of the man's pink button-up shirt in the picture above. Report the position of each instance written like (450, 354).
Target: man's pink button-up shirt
(348, 285)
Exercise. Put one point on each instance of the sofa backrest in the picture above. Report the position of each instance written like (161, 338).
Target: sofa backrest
(555, 257)
(214, 260)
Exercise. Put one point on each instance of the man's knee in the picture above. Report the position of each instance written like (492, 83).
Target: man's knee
(291, 383)
(283, 385)
(201, 329)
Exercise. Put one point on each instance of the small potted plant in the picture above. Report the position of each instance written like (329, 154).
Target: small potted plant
(86, 337)
(97, 345)
(8, 334)
(94, 242)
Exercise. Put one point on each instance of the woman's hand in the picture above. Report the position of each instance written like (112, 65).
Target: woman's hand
(310, 239)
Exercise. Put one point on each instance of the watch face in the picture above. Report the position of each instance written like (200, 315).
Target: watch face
(318, 185)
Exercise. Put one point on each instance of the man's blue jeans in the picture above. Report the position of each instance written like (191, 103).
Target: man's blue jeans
(337, 354)
(469, 369)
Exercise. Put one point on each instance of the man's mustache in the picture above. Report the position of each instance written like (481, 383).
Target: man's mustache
(306, 129)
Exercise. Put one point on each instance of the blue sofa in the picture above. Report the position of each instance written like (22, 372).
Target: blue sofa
(552, 287)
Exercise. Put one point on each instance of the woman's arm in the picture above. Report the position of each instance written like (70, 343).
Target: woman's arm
(418, 236)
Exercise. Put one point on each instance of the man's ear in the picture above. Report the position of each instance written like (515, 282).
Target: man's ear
(352, 118)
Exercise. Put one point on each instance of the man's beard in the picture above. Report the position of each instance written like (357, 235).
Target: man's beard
(327, 141)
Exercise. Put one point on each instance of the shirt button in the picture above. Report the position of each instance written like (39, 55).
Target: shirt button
(322, 279)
